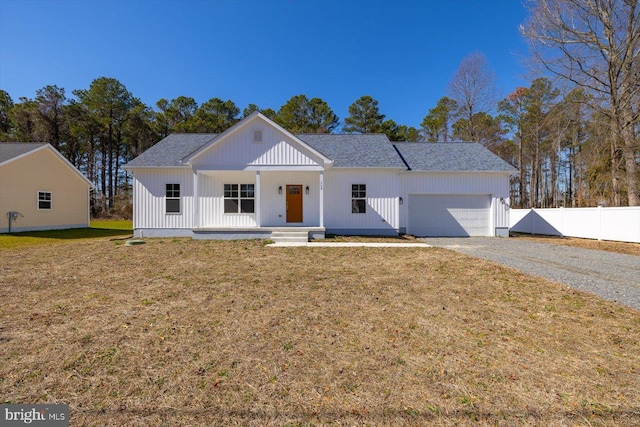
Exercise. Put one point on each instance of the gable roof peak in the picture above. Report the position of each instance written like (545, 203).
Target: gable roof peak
(256, 115)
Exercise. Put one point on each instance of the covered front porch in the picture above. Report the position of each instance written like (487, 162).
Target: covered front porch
(256, 203)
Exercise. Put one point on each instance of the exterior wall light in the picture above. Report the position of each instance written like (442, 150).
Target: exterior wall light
(280, 190)
(401, 201)
(306, 190)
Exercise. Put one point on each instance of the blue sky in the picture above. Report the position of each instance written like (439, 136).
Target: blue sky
(402, 53)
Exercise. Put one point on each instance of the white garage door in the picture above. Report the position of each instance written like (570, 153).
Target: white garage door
(449, 215)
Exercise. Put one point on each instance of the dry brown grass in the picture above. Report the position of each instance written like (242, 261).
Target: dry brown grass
(602, 245)
(404, 238)
(181, 332)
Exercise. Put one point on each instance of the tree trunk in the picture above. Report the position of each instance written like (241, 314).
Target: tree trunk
(116, 184)
(521, 189)
(554, 179)
(103, 173)
(629, 155)
(110, 171)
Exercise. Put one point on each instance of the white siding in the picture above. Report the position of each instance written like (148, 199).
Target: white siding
(149, 198)
(273, 205)
(383, 187)
(211, 202)
(494, 184)
(238, 149)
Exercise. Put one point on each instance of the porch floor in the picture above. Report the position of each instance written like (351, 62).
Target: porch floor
(256, 229)
(277, 234)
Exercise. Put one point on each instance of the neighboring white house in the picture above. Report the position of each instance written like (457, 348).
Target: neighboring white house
(40, 189)
(256, 178)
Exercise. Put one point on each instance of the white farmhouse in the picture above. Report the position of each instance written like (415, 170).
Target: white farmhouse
(257, 179)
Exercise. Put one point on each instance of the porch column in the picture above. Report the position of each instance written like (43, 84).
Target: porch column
(196, 201)
(257, 199)
(321, 198)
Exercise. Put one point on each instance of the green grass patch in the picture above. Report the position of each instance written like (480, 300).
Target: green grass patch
(98, 228)
(112, 224)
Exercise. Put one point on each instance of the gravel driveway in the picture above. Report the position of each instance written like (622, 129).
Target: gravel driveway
(611, 276)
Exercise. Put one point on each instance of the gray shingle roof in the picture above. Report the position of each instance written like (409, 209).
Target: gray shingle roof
(9, 150)
(451, 156)
(171, 150)
(355, 151)
(348, 151)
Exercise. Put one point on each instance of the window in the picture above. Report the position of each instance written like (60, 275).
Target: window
(358, 198)
(172, 198)
(239, 198)
(257, 136)
(44, 200)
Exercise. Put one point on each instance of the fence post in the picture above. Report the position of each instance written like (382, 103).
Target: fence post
(599, 222)
(561, 221)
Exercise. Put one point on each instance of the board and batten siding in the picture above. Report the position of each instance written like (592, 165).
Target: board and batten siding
(382, 211)
(238, 150)
(496, 185)
(149, 189)
(211, 199)
(273, 205)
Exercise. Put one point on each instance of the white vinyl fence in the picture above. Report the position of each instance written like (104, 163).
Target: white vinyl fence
(621, 224)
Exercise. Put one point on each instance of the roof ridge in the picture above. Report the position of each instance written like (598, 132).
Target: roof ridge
(23, 143)
(436, 142)
(343, 134)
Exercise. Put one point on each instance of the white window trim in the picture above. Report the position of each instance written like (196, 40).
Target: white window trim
(50, 200)
(359, 198)
(179, 199)
(239, 199)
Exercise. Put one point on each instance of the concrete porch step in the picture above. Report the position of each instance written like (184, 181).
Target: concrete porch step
(289, 236)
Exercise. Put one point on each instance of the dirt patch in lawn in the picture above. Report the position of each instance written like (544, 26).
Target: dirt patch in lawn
(404, 238)
(601, 245)
(182, 332)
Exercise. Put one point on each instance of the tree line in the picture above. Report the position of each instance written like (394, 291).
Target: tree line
(573, 134)
(101, 128)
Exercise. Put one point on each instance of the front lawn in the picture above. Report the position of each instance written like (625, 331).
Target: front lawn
(183, 332)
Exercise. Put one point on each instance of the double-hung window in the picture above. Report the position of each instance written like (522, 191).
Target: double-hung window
(44, 200)
(172, 199)
(239, 198)
(358, 198)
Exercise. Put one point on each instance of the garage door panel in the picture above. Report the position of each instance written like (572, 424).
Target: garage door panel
(449, 215)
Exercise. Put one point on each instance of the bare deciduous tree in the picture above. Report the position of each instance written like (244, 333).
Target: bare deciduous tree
(596, 45)
(473, 88)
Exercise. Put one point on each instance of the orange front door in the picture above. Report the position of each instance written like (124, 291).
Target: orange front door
(294, 203)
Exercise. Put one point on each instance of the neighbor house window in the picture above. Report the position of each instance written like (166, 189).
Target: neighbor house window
(44, 200)
(172, 198)
(239, 198)
(358, 198)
